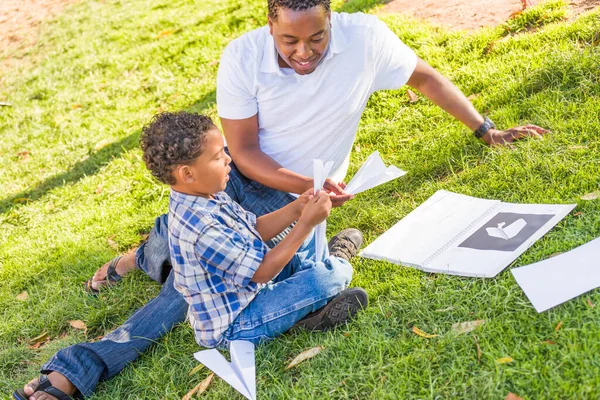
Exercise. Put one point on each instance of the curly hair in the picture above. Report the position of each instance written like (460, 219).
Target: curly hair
(172, 139)
(296, 5)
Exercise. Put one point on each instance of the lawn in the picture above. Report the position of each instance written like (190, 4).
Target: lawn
(75, 193)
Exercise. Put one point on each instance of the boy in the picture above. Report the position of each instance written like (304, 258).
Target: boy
(236, 287)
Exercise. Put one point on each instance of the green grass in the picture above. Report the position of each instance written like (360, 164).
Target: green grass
(103, 68)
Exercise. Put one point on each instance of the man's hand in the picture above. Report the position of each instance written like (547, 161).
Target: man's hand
(336, 192)
(494, 137)
(316, 210)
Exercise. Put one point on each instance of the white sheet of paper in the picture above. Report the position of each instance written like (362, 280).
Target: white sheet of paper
(553, 281)
(240, 373)
(373, 173)
(321, 170)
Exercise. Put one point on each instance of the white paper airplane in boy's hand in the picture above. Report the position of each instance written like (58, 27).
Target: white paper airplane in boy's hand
(240, 373)
(321, 170)
(508, 232)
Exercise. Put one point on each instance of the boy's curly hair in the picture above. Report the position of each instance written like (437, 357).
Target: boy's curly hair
(296, 5)
(172, 139)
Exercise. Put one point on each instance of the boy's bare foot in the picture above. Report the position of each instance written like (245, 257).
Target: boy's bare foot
(57, 380)
(122, 266)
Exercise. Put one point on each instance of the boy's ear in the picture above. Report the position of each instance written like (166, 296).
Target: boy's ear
(183, 174)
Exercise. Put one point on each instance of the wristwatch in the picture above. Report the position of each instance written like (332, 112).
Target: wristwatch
(483, 128)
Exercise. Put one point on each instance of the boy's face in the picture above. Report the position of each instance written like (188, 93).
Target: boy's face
(209, 174)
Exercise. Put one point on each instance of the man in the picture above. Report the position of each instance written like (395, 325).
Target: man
(286, 93)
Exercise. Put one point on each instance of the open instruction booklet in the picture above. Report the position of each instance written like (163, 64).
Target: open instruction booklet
(462, 235)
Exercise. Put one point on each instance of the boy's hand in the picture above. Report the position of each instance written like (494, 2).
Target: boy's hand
(303, 200)
(316, 210)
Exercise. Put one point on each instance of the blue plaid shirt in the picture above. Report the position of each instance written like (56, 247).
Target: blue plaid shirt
(215, 251)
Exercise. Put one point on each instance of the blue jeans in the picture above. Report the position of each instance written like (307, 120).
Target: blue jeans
(86, 364)
(304, 285)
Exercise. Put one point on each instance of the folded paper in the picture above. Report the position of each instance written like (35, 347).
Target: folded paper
(320, 171)
(373, 173)
(240, 373)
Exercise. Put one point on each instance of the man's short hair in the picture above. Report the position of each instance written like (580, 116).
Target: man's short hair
(296, 5)
(172, 139)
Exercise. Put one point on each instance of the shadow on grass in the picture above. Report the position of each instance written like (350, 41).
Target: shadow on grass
(91, 165)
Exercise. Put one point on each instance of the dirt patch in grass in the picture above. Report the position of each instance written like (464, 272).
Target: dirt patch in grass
(471, 14)
(20, 22)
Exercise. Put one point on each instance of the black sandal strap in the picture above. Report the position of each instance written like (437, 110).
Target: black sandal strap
(46, 387)
(111, 273)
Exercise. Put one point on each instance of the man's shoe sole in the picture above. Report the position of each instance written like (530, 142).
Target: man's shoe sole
(339, 310)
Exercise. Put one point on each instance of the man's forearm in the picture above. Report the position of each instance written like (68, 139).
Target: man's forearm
(272, 224)
(280, 255)
(445, 94)
(258, 166)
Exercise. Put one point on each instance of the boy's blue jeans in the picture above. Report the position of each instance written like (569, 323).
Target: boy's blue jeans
(304, 285)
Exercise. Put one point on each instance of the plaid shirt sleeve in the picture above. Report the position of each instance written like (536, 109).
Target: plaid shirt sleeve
(225, 253)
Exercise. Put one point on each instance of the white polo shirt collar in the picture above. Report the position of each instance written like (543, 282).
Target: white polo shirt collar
(270, 63)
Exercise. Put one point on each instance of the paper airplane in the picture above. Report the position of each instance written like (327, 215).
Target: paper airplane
(509, 232)
(240, 373)
(320, 171)
(373, 173)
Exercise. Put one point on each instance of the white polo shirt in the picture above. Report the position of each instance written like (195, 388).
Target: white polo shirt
(303, 117)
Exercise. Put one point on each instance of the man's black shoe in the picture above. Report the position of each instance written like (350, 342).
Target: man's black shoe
(346, 243)
(339, 310)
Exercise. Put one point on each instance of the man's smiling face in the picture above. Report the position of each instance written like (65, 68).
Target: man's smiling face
(301, 37)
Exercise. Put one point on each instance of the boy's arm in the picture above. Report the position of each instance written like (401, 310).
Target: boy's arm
(270, 225)
(316, 210)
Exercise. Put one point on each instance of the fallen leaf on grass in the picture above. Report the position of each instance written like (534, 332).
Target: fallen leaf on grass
(23, 155)
(465, 327)
(305, 355)
(196, 369)
(591, 196)
(478, 349)
(473, 96)
(39, 340)
(78, 324)
(213, 63)
(112, 243)
(504, 360)
(76, 106)
(515, 14)
(550, 342)
(165, 33)
(558, 326)
(419, 332)
(199, 388)
(21, 200)
(412, 96)
(347, 334)
(23, 296)
(101, 144)
(587, 300)
(99, 189)
(578, 214)
(512, 396)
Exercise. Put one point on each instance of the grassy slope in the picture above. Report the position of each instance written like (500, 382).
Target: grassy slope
(103, 69)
